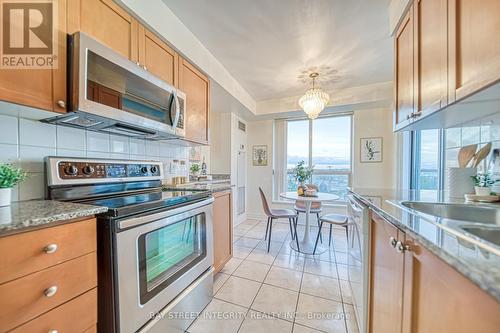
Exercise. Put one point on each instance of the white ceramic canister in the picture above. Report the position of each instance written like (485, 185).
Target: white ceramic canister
(460, 181)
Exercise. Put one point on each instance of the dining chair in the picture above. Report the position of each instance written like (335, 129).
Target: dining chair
(300, 207)
(273, 214)
(331, 219)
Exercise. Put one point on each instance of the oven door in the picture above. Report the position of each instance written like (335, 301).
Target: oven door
(158, 256)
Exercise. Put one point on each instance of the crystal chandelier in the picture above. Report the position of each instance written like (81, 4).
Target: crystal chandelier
(314, 100)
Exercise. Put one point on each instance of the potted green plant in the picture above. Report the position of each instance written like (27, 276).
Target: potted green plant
(195, 169)
(10, 176)
(482, 183)
(302, 174)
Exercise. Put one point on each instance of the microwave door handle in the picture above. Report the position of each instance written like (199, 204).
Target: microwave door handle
(177, 111)
(172, 106)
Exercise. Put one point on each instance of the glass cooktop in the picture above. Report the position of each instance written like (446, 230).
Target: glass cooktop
(141, 202)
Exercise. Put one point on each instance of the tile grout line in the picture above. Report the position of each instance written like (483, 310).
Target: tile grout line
(260, 287)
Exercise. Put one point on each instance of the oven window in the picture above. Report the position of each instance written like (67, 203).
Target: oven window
(167, 253)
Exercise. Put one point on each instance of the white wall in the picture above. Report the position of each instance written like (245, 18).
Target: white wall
(374, 123)
(220, 140)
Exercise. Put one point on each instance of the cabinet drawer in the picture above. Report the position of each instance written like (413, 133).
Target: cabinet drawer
(32, 251)
(25, 298)
(77, 315)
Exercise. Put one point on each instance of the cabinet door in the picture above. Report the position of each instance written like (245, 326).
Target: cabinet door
(157, 57)
(40, 88)
(223, 229)
(437, 298)
(474, 50)
(386, 281)
(106, 22)
(196, 86)
(403, 47)
(430, 54)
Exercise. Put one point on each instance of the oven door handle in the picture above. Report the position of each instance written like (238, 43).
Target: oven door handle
(137, 221)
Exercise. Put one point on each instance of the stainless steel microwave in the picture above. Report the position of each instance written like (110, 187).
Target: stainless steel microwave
(108, 92)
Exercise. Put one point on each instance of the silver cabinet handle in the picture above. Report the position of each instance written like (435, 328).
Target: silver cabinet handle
(137, 63)
(53, 331)
(61, 103)
(51, 248)
(51, 291)
(400, 247)
(145, 68)
(393, 242)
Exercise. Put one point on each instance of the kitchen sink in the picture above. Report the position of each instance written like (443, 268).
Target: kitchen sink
(488, 233)
(463, 212)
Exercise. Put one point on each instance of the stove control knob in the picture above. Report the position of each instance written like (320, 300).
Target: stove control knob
(144, 169)
(153, 169)
(88, 170)
(71, 170)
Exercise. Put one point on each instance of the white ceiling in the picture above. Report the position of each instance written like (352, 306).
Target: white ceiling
(268, 46)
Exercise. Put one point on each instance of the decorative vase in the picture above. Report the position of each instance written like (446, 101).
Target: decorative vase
(5, 196)
(483, 191)
(459, 181)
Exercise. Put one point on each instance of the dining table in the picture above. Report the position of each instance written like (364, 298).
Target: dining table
(306, 245)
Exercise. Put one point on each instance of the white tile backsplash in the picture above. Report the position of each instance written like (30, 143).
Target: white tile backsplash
(9, 127)
(98, 142)
(27, 142)
(120, 144)
(32, 157)
(70, 138)
(9, 153)
(35, 133)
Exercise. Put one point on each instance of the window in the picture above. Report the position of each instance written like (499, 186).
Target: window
(427, 163)
(325, 144)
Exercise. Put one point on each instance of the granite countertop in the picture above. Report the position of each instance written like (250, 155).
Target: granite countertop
(26, 215)
(212, 186)
(478, 261)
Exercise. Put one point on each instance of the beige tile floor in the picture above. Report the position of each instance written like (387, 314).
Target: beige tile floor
(281, 291)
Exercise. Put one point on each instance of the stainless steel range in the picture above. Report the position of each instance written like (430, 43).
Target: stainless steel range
(155, 248)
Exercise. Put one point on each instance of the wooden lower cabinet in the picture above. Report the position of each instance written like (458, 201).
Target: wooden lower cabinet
(413, 291)
(49, 282)
(438, 299)
(223, 229)
(386, 278)
(77, 315)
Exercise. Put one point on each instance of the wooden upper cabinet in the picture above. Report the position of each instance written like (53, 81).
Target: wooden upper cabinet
(474, 50)
(196, 86)
(223, 229)
(439, 299)
(40, 88)
(430, 54)
(403, 47)
(107, 22)
(157, 57)
(386, 281)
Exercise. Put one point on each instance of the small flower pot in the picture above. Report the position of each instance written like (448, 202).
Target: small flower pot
(5, 196)
(483, 191)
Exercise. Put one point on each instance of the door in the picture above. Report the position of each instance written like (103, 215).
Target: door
(157, 57)
(474, 50)
(433, 289)
(223, 229)
(107, 22)
(430, 54)
(196, 86)
(386, 281)
(403, 47)
(40, 88)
